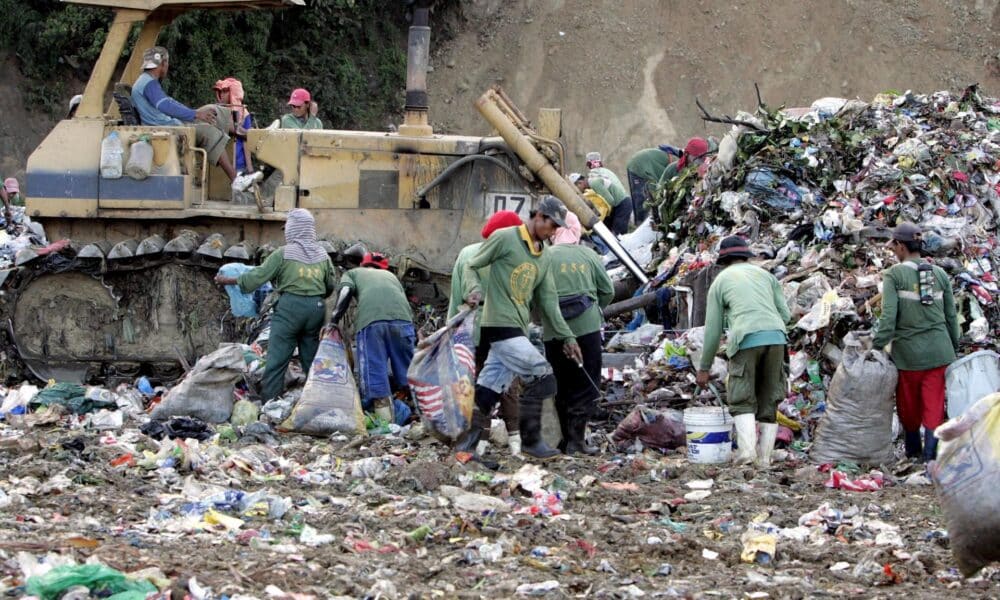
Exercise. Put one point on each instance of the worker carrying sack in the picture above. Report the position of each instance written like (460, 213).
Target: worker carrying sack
(442, 377)
(857, 426)
(330, 402)
(965, 476)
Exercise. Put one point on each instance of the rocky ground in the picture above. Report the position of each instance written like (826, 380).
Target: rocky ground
(396, 516)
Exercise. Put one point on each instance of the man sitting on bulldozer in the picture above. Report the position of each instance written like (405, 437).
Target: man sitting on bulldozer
(213, 123)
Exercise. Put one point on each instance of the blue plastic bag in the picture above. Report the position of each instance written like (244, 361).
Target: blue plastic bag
(777, 191)
(242, 305)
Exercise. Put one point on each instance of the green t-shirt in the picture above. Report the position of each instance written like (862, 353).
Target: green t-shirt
(290, 276)
(606, 183)
(923, 336)
(379, 294)
(290, 121)
(748, 299)
(518, 277)
(578, 270)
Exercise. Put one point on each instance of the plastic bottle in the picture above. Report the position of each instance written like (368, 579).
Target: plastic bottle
(111, 156)
(140, 160)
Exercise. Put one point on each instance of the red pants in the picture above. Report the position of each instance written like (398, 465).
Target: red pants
(920, 399)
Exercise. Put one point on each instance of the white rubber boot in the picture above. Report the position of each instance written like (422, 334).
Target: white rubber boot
(768, 432)
(482, 447)
(746, 439)
(514, 443)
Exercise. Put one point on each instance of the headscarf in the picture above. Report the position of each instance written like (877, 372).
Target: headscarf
(300, 238)
(570, 234)
(499, 220)
(696, 148)
(236, 95)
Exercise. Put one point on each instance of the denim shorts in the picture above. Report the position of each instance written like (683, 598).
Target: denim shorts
(510, 358)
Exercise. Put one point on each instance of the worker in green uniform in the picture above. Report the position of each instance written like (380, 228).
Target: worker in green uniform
(748, 299)
(584, 288)
(302, 272)
(386, 338)
(611, 189)
(518, 278)
(499, 220)
(300, 104)
(919, 318)
(644, 170)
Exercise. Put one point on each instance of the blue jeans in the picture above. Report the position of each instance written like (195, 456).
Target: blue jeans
(510, 358)
(639, 190)
(385, 349)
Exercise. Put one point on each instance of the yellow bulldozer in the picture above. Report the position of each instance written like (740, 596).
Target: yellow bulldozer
(133, 292)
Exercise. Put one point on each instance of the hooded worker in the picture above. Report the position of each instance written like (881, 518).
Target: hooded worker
(583, 288)
(919, 318)
(748, 299)
(302, 273)
(385, 337)
(499, 220)
(229, 93)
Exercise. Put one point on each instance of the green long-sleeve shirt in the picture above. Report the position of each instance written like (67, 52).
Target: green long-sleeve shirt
(923, 336)
(748, 299)
(518, 276)
(649, 164)
(458, 286)
(379, 294)
(578, 270)
(290, 276)
(608, 185)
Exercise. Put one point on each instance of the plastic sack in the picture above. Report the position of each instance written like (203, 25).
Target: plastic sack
(777, 191)
(965, 476)
(655, 429)
(970, 378)
(99, 579)
(857, 426)
(206, 393)
(241, 305)
(442, 377)
(330, 402)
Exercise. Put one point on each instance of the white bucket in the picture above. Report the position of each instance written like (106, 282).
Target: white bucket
(709, 434)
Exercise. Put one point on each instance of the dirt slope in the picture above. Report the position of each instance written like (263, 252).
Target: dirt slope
(626, 72)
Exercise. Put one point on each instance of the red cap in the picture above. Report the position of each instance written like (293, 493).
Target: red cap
(375, 259)
(696, 148)
(299, 97)
(499, 220)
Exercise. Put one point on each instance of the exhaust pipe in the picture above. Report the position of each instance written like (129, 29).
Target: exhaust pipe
(418, 48)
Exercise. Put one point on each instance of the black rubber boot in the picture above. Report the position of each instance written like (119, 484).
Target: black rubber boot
(911, 441)
(531, 418)
(576, 442)
(470, 440)
(930, 446)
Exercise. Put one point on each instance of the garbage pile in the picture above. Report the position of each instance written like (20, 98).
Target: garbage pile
(815, 192)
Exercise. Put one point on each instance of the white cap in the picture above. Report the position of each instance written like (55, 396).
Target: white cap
(75, 101)
(593, 156)
(574, 177)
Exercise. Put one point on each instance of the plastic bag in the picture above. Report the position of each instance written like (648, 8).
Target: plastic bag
(857, 426)
(965, 476)
(330, 401)
(655, 429)
(777, 191)
(442, 377)
(97, 578)
(206, 392)
(970, 378)
(241, 305)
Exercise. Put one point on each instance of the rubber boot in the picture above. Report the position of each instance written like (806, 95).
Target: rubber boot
(514, 443)
(531, 418)
(911, 442)
(383, 409)
(576, 441)
(475, 434)
(746, 439)
(765, 443)
(930, 446)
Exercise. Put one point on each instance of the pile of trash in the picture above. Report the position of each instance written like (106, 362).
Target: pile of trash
(815, 192)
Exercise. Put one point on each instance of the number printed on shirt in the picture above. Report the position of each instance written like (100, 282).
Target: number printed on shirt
(573, 268)
(310, 272)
